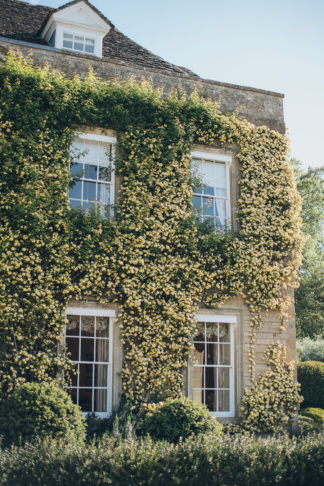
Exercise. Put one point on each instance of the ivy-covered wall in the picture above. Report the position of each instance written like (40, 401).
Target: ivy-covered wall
(152, 258)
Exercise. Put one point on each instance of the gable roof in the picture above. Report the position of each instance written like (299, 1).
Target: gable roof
(24, 21)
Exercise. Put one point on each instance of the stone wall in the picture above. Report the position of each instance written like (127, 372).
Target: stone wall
(258, 106)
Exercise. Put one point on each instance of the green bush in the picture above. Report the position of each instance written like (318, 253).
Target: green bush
(317, 414)
(311, 377)
(310, 350)
(40, 410)
(179, 417)
(198, 461)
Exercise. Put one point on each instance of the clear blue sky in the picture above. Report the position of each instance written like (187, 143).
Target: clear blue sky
(276, 45)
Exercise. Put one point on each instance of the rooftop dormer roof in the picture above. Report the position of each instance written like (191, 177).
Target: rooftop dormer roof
(23, 21)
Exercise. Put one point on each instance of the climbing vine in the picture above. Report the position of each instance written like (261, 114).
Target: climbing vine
(152, 258)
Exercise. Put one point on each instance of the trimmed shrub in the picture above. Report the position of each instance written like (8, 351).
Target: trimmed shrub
(310, 350)
(40, 410)
(317, 414)
(178, 417)
(311, 377)
(198, 461)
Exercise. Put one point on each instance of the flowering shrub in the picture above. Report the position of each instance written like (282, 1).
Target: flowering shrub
(150, 258)
(40, 410)
(274, 398)
(179, 417)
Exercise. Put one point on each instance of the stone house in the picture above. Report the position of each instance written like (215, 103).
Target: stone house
(72, 39)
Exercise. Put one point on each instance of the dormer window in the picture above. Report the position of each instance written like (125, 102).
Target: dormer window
(77, 27)
(78, 43)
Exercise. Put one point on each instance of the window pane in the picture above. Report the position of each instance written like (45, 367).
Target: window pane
(212, 353)
(85, 399)
(91, 151)
(104, 194)
(198, 377)
(100, 400)
(72, 345)
(198, 396)
(87, 349)
(199, 352)
(208, 206)
(102, 350)
(75, 190)
(209, 190)
(213, 174)
(211, 400)
(223, 378)
(211, 377)
(73, 326)
(197, 201)
(86, 371)
(105, 173)
(75, 203)
(220, 208)
(103, 153)
(102, 326)
(67, 41)
(225, 354)
(90, 171)
(101, 375)
(78, 43)
(223, 401)
(224, 332)
(89, 191)
(76, 169)
(87, 326)
(87, 206)
(89, 45)
(212, 332)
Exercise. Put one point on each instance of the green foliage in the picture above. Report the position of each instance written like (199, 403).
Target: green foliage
(177, 418)
(206, 460)
(274, 398)
(310, 303)
(40, 410)
(311, 378)
(317, 414)
(310, 350)
(151, 258)
(310, 294)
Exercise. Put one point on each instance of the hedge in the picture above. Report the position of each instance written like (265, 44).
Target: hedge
(317, 414)
(178, 417)
(40, 409)
(311, 377)
(310, 349)
(195, 462)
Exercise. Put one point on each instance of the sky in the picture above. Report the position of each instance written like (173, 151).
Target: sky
(276, 45)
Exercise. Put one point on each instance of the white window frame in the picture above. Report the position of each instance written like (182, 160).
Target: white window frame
(95, 137)
(93, 312)
(227, 160)
(84, 36)
(232, 320)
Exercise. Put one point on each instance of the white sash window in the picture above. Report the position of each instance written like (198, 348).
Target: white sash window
(213, 364)
(88, 338)
(92, 169)
(211, 193)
